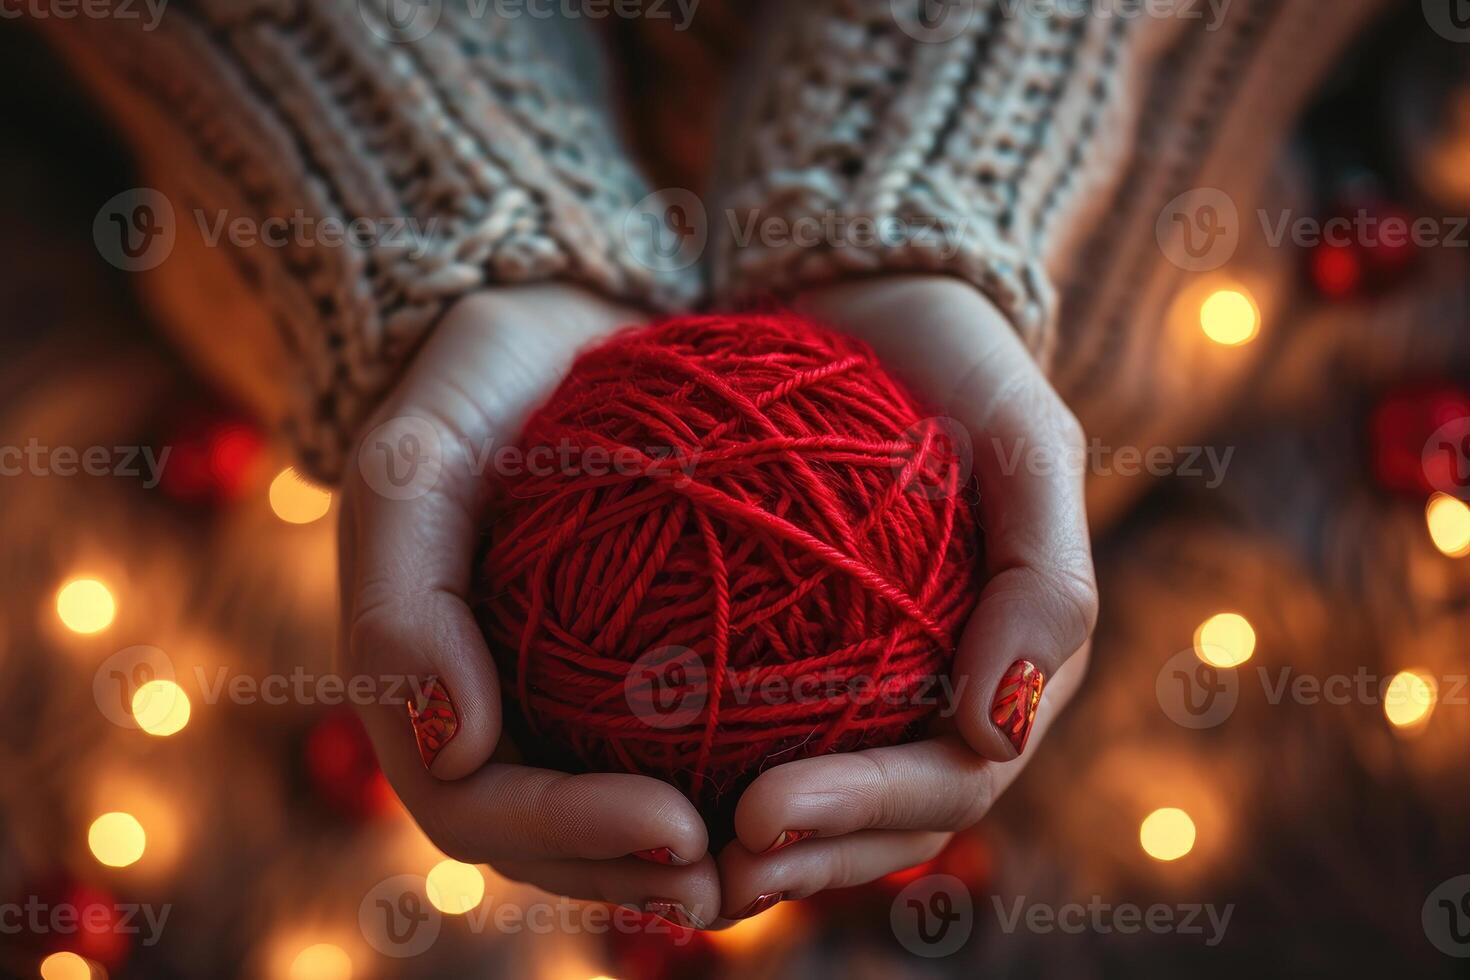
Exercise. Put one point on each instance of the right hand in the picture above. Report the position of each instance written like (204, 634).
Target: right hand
(406, 556)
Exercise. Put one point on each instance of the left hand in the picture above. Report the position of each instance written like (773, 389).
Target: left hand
(882, 810)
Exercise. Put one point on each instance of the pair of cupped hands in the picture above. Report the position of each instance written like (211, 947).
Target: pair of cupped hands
(637, 841)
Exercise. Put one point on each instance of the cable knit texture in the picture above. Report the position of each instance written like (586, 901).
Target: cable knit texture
(958, 141)
(482, 149)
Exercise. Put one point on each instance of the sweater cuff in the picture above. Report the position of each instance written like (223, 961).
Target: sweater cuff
(471, 154)
(901, 143)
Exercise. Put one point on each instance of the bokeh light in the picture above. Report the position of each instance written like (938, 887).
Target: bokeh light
(160, 707)
(1225, 640)
(85, 605)
(323, 961)
(1449, 524)
(66, 966)
(296, 500)
(455, 888)
(117, 839)
(1230, 317)
(754, 935)
(1409, 699)
(1167, 834)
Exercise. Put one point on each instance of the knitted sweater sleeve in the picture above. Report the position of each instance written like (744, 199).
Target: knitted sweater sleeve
(382, 169)
(965, 138)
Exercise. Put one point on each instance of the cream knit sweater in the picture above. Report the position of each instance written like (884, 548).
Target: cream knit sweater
(1027, 146)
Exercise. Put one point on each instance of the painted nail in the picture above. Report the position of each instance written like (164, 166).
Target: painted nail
(763, 903)
(789, 837)
(435, 723)
(674, 912)
(1014, 707)
(661, 855)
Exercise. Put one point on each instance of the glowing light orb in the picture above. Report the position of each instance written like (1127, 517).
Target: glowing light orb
(297, 501)
(161, 708)
(85, 606)
(1225, 640)
(117, 839)
(1230, 317)
(455, 888)
(1167, 834)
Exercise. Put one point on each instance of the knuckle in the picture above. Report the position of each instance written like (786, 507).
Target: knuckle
(873, 796)
(1071, 602)
(369, 632)
(556, 817)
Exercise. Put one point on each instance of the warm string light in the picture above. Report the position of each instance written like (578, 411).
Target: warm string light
(323, 961)
(758, 933)
(161, 708)
(68, 966)
(295, 500)
(1409, 699)
(1230, 317)
(1167, 834)
(85, 605)
(1448, 519)
(1225, 640)
(455, 888)
(117, 839)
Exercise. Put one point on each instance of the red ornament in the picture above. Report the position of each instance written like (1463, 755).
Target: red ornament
(98, 936)
(343, 768)
(736, 542)
(64, 914)
(1337, 271)
(1417, 436)
(211, 458)
(1367, 245)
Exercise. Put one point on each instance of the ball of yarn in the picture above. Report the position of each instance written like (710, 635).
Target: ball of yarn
(730, 542)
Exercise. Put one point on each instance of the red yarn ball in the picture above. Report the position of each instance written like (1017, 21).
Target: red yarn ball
(734, 542)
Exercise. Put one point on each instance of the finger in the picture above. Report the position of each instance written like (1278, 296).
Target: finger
(415, 496)
(1039, 604)
(939, 784)
(753, 883)
(511, 812)
(687, 897)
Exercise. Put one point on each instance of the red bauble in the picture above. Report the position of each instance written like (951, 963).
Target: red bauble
(733, 542)
(343, 768)
(1368, 246)
(211, 457)
(1406, 427)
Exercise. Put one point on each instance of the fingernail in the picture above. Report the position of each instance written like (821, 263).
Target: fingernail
(1014, 707)
(661, 855)
(435, 723)
(671, 911)
(763, 903)
(789, 837)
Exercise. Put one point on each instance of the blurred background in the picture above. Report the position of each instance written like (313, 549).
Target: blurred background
(1266, 772)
